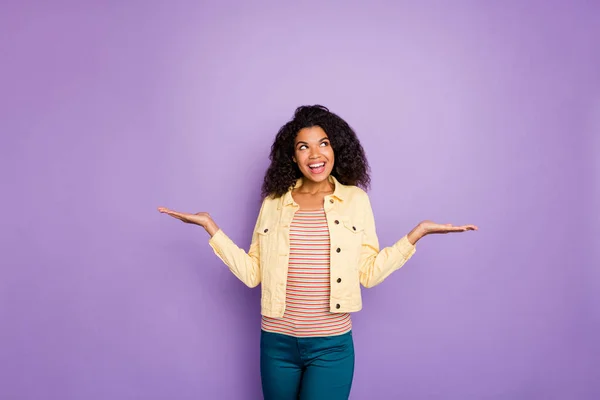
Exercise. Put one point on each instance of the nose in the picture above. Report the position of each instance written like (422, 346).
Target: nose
(314, 153)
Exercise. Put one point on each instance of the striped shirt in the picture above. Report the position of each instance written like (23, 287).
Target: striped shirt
(308, 282)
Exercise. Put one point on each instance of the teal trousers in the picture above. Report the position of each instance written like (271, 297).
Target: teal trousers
(316, 368)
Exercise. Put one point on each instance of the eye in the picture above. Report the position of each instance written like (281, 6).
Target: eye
(302, 147)
(324, 144)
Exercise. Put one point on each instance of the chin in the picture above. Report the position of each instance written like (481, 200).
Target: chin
(317, 178)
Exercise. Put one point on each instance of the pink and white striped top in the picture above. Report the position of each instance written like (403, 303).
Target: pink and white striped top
(308, 282)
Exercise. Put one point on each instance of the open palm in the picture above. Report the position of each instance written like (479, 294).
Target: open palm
(201, 218)
(431, 227)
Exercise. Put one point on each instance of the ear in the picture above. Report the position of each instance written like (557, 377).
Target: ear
(294, 159)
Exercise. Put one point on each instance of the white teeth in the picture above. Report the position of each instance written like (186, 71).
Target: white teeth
(316, 165)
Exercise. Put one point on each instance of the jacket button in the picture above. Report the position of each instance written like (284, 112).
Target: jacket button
(354, 227)
(339, 280)
(337, 306)
(331, 201)
(338, 250)
(266, 230)
(337, 222)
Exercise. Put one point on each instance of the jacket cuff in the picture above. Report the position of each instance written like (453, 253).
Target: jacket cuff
(405, 247)
(218, 241)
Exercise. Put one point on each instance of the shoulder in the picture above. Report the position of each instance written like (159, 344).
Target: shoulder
(270, 203)
(355, 193)
(268, 200)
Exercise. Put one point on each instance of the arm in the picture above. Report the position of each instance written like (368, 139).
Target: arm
(374, 264)
(245, 266)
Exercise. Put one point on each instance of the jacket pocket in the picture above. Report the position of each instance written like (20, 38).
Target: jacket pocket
(354, 227)
(352, 239)
(266, 235)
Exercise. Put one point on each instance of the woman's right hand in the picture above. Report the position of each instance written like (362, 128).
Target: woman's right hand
(202, 218)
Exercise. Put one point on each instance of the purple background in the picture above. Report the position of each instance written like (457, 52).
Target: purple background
(470, 113)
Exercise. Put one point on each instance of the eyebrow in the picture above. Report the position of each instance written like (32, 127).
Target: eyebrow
(323, 138)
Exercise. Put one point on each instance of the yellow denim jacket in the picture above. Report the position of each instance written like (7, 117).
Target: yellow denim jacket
(355, 255)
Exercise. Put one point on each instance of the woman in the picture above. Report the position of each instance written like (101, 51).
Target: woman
(313, 245)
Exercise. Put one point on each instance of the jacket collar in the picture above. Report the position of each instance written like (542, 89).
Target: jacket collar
(340, 191)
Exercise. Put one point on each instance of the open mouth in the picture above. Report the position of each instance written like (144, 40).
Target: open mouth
(317, 168)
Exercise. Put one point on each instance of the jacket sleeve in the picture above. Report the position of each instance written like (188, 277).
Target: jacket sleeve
(245, 266)
(375, 265)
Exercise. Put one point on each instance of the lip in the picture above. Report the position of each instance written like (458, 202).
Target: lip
(318, 170)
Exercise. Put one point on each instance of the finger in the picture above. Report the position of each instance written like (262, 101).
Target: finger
(175, 214)
(165, 210)
(448, 229)
(179, 217)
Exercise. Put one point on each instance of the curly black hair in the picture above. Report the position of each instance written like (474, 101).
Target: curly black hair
(350, 168)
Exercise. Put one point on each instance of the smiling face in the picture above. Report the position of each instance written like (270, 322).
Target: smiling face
(313, 154)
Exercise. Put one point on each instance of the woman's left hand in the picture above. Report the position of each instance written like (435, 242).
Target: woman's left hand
(430, 227)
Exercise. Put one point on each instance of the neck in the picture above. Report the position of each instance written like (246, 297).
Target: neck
(311, 187)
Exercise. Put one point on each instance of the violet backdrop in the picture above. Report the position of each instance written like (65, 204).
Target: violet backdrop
(470, 112)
